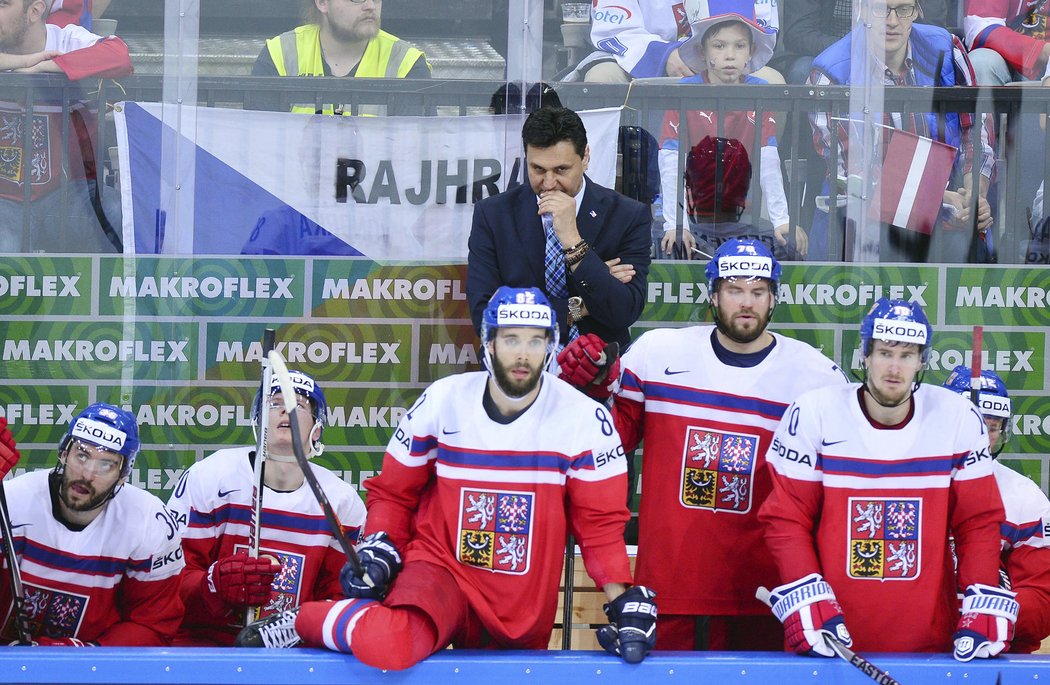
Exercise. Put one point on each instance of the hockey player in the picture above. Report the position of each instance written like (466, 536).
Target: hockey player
(480, 483)
(706, 400)
(99, 559)
(867, 486)
(1025, 557)
(299, 559)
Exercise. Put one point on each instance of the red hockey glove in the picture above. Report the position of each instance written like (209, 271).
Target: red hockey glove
(591, 365)
(809, 611)
(986, 626)
(43, 641)
(9, 455)
(239, 580)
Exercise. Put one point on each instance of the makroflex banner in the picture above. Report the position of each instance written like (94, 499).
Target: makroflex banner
(225, 181)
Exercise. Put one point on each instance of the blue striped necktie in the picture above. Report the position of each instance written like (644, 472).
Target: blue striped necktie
(554, 268)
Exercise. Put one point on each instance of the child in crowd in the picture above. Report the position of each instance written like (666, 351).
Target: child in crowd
(726, 49)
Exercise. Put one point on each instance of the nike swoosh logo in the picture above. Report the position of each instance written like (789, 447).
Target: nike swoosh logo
(447, 432)
(15, 526)
(669, 372)
(223, 493)
(825, 443)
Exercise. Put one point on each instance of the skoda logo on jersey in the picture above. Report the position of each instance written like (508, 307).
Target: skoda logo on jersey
(899, 331)
(613, 14)
(536, 315)
(99, 434)
(993, 405)
(745, 267)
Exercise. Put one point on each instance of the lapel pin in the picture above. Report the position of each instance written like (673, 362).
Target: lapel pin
(594, 214)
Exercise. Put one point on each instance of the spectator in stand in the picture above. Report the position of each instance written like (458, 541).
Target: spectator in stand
(82, 12)
(1008, 41)
(726, 49)
(642, 38)
(812, 26)
(79, 222)
(909, 54)
(340, 38)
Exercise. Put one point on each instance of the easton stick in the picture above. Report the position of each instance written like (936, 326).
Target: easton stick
(280, 372)
(845, 653)
(259, 462)
(18, 601)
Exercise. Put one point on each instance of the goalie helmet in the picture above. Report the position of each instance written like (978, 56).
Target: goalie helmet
(109, 427)
(742, 258)
(896, 321)
(992, 397)
(306, 386)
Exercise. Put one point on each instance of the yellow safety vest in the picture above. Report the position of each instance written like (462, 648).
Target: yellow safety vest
(298, 52)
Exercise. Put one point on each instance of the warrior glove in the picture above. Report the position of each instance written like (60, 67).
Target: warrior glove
(631, 633)
(986, 626)
(809, 611)
(380, 564)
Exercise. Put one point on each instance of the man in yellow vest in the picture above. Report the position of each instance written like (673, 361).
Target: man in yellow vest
(341, 38)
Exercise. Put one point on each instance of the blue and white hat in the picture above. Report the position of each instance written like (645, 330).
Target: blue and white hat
(703, 14)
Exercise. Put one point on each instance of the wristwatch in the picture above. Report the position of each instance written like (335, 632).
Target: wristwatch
(575, 309)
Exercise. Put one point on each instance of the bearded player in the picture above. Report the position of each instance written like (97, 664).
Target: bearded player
(706, 400)
(467, 521)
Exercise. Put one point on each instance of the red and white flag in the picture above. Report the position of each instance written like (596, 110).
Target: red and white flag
(915, 173)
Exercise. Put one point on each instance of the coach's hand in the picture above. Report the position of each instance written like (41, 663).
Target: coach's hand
(380, 564)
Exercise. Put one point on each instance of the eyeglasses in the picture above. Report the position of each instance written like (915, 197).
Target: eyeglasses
(89, 458)
(902, 11)
(361, 2)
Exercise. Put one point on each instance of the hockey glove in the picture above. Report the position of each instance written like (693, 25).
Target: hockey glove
(631, 632)
(809, 611)
(43, 641)
(9, 455)
(583, 365)
(380, 564)
(239, 580)
(986, 626)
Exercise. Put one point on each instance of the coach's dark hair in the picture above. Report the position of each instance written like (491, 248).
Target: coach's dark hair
(549, 126)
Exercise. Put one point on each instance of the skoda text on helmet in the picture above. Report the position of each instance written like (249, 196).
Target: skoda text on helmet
(107, 427)
(306, 386)
(745, 259)
(896, 321)
(992, 398)
(516, 308)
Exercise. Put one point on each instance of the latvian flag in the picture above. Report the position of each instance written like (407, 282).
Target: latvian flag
(915, 173)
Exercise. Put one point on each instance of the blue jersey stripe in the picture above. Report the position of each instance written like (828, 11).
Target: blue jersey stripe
(57, 559)
(716, 400)
(525, 461)
(926, 466)
(1019, 533)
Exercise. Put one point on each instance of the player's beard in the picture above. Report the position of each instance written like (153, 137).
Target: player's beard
(887, 399)
(512, 388)
(93, 501)
(14, 40)
(743, 333)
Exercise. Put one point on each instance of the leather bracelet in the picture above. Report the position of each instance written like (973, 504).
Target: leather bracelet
(577, 257)
(568, 250)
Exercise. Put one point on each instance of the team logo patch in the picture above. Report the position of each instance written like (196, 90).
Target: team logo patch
(11, 159)
(51, 612)
(718, 470)
(495, 530)
(884, 536)
(287, 584)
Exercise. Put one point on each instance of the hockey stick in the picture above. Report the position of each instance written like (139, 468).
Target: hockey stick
(604, 361)
(280, 372)
(975, 366)
(18, 599)
(259, 464)
(845, 653)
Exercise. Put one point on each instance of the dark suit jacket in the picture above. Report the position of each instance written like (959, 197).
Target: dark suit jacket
(507, 245)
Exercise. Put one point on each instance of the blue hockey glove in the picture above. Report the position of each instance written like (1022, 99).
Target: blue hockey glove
(631, 633)
(380, 564)
(809, 611)
(986, 626)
